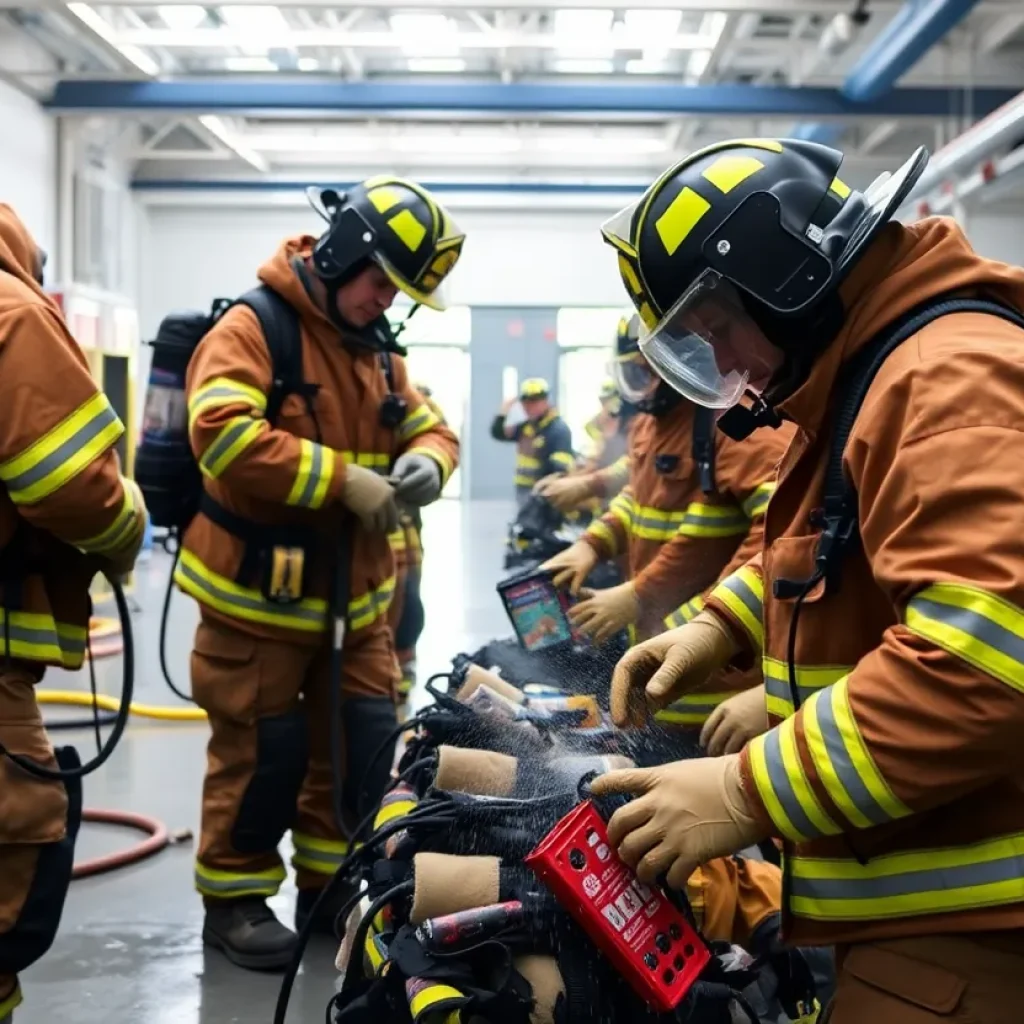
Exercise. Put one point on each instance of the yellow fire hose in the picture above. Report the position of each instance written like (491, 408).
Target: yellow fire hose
(77, 699)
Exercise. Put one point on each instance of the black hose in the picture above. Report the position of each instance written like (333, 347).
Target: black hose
(120, 722)
(340, 595)
(164, 618)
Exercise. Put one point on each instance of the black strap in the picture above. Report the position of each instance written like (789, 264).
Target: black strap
(280, 324)
(840, 515)
(389, 370)
(704, 447)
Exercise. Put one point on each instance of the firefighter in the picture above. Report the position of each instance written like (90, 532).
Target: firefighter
(406, 617)
(543, 440)
(66, 512)
(280, 505)
(693, 512)
(606, 432)
(895, 686)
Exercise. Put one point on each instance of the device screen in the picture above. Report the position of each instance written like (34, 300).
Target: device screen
(537, 613)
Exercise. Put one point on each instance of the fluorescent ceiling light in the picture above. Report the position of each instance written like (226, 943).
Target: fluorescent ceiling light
(655, 24)
(436, 64)
(697, 62)
(584, 66)
(181, 16)
(88, 17)
(261, 18)
(308, 64)
(250, 63)
(456, 143)
(599, 144)
(436, 35)
(590, 30)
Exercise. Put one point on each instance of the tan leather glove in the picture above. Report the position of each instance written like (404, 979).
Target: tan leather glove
(572, 566)
(371, 498)
(668, 666)
(121, 563)
(735, 722)
(685, 814)
(566, 493)
(602, 613)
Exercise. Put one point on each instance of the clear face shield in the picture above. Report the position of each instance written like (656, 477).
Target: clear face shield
(707, 348)
(634, 377)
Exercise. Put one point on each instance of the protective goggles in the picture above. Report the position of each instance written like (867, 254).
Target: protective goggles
(706, 347)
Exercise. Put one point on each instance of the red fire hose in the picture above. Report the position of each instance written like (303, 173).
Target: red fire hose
(156, 831)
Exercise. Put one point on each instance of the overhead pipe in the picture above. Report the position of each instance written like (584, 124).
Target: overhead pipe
(913, 31)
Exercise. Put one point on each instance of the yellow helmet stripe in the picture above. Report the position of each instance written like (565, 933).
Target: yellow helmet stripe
(408, 228)
(680, 218)
(731, 170)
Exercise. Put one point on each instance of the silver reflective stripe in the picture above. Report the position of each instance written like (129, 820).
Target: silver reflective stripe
(737, 586)
(224, 442)
(104, 418)
(783, 788)
(315, 468)
(222, 391)
(841, 762)
(735, 520)
(317, 860)
(311, 615)
(253, 884)
(973, 624)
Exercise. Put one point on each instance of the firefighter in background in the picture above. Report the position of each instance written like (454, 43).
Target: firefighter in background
(606, 432)
(543, 440)
(66, 511)
(693, 512)
(892, 767)
(276, 501)
(406, 616)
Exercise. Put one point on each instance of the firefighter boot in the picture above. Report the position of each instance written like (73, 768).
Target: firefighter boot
(326, 920)
(246, 931)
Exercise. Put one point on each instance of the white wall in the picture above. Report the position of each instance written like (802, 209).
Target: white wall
(28, 165)
(997, 230)
(519, 258)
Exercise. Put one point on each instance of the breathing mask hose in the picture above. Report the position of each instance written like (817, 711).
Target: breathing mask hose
(26, 764)
(164, 619)
(340, 594)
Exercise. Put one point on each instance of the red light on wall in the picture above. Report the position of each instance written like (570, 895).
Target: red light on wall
(988, 171)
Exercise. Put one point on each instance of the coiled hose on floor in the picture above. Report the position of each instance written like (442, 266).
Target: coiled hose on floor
(157, 838)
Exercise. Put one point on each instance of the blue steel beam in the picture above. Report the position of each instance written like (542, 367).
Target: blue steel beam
(270, 97)
(917, 26)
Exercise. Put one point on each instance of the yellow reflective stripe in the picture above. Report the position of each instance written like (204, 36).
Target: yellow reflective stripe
(622, 507)
(428, 999)
(693, 709)
(702, 520)
(120, 533)
(313, 475)
(843, 761)
(36, 636)
(367, 608)
(809, 679)
(650, 523)
(444, 463)
(910, 883)
(397, 540)
(618, 473)
(379, 461)
(684, 612)
(62, 452)
(757, 502)
(218, 592)
(973, 624)
(322, 856)
(233, 438)
(417, 422)
(604, 535)
(221, 392)
(373, 954)
(527, 462)
(10, 1003)
(213, 882)
(389, 812)
(743, 594)
(565, 459)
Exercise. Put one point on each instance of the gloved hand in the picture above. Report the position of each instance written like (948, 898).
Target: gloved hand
(566, 493)
(734, 722)
(121, 563)
(658, 671)
(602, 613)
(371, 498)
(572, 566)
(687, 813)
(419, 479)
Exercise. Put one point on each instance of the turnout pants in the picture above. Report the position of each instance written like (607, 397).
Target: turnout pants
(405, 614)
(38, 823)
(269, 755)
(942, 979)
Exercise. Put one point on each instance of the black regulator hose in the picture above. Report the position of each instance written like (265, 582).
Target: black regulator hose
(165, 618)
(120, 720)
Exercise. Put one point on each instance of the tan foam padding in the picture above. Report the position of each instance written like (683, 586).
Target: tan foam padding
(546, 981)
(477, 677)
(351, 925)
(481, 772)
(446, 884)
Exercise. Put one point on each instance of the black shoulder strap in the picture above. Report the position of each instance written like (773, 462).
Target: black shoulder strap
(389, 370)
(839, 519)
(704, 447)
(280, 325)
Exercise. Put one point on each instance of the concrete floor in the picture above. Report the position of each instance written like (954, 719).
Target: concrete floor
(129, 949)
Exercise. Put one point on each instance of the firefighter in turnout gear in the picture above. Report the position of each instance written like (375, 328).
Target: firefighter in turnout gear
(281, 504)
(66, 512)
(543, 440)
(693, 512)
(888, 602)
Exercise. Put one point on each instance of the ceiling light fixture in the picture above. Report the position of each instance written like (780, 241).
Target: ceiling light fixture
(182, 17)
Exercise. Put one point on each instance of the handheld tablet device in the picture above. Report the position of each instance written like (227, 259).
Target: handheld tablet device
(537, 610)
